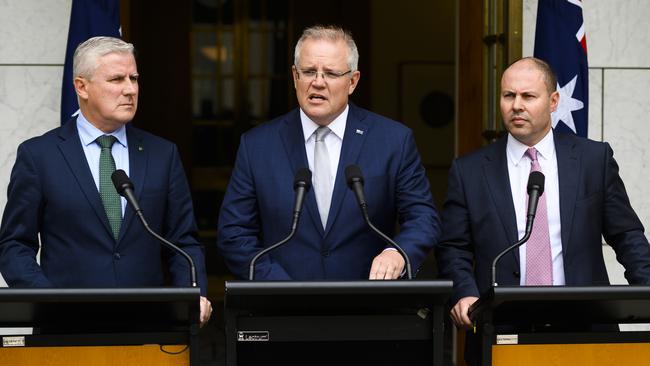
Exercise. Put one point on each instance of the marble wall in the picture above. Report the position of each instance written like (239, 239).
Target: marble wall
(33, 36)
(619, 91)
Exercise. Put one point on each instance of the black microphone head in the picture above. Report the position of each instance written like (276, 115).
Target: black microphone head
(353, 175)
(536, 182)
(121, 181)
(302, 179)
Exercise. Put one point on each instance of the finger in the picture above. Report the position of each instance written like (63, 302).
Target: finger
(454, 317)
(381, 271)
(390, 272)
(465, 315)
(376, 271)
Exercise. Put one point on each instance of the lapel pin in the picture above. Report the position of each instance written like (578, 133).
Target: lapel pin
(359, 132)
(140, 148)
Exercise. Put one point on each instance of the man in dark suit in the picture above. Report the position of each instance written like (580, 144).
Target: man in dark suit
(327, 134)
(61, 199)
(584, 198)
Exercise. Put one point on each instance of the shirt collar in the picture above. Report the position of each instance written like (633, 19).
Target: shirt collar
(337, 125)
(516, 150)
(89, 133)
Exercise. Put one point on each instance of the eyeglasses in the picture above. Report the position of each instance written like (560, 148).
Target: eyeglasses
(311, 75)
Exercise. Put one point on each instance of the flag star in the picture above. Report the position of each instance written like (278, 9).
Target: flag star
(567, 105)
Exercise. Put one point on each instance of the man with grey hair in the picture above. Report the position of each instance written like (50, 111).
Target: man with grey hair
(327, 134)
(61, 193)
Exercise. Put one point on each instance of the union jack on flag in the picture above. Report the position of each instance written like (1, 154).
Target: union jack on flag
(560, 40)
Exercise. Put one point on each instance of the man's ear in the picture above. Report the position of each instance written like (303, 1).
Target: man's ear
(81, 87)
(354, 80)
(555, 100)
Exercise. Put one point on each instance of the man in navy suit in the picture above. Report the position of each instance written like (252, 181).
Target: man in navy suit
(584, 196)
(57, 195)
(332, 239)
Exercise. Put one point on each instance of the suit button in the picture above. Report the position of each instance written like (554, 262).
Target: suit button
(117, 256)
(516, 274)
(325, 253)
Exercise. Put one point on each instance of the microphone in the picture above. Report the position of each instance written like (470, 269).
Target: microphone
(301, 184)
(124, 187)
(354, 179)
(535, 190)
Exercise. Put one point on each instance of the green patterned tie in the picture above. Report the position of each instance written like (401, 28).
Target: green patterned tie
(110, 198)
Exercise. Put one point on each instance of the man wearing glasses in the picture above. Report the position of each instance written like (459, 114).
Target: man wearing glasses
(327, 134)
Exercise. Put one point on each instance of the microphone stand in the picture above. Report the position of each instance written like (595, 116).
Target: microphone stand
(170, 245)
(366, 217)
(251, 268)
(507, 250)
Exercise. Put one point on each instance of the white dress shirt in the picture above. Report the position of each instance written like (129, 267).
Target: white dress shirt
(518, 171)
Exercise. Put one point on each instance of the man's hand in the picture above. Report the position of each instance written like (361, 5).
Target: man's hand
(459, 312)
(206, 310)
(388, 265)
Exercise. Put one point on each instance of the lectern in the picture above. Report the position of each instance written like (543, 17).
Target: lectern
(578, 325)
(290, 322)
(101, 318)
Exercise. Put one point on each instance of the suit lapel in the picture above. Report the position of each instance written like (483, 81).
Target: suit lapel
(495, 169)
(567, 168)
(137, 171)
(75, 157)
(293, 141)
(356, 130)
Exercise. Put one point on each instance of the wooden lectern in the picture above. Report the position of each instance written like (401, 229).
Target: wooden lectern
(552, 325)
(107, 326)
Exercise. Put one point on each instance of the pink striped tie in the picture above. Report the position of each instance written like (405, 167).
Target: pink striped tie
(539, 269)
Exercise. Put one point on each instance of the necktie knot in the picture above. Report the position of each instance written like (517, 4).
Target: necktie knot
(532, 153)
(534, 163)
(106, 141)
(321, 132)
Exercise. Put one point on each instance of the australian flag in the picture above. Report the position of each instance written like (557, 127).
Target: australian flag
(560, 40)
(88, 18)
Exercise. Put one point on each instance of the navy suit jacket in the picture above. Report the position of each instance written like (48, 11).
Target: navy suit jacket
(258, 207)
(52, 194)
(479, 218)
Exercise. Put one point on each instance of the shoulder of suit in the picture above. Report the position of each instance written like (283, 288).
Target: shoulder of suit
(377, 121)
(145, 136)
(579, 142)
(49, 137)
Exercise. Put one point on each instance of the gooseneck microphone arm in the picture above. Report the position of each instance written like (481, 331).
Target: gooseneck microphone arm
(354, 179)
(535, 191)
(124, 187)
(301, 185)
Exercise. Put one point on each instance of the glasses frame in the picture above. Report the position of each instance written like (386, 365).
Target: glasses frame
(326, 75)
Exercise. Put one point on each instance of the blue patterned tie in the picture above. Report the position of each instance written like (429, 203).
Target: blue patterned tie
(110, 198)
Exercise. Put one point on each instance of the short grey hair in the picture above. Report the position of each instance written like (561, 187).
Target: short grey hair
(331, 33)
(84, 62)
